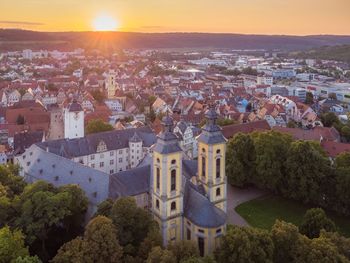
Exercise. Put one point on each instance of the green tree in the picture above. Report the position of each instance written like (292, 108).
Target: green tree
(288, 242)
(314, 221)
(183, 250)
(132, 223)
(240, 159)
(342, 243)
(345, 132)
(343, 160)
(10, 179)
(271, 153)
(78, 205)
(329, 119)
(27, 259)
(321, 250)
(245, 244)
(101, 241)
(96, 126)
(104, 208)
(11, 245)
(303, 182)
(309, 98)
(159, 255)
(71, 252)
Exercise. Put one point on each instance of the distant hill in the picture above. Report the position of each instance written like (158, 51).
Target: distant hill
(12, 39)
(338, 53)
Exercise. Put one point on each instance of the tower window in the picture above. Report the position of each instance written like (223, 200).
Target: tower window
(218, 151)
(203, 166)
(173, 206)
(218, 167)
(218, 191)
(173, 180)
(157, 204)
(158, 178)
(173, 161)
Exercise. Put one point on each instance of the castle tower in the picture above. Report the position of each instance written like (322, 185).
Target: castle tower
(73, 120)
(211, 160)
(111, 84)
(166, 184)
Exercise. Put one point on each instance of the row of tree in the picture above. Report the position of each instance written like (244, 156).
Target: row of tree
(298, 170)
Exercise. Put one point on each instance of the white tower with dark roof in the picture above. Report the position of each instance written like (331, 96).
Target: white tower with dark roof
(74, 121)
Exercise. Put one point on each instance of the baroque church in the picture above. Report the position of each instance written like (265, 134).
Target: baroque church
(190, 205)
(186, 197)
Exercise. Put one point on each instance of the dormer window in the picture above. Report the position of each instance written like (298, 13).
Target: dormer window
(101, 147)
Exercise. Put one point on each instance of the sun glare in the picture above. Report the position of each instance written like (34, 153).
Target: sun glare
(104, 23)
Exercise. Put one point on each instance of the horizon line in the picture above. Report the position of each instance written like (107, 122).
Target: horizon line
(179, 32)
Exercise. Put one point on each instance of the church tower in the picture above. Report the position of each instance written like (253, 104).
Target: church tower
(166, 184)
(211, 160)
(111, 84)
(73, 120)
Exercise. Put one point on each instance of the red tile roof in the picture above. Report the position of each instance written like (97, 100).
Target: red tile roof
(231, 130)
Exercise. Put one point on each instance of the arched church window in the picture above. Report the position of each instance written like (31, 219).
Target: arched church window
(157, 204)
(218, 167)
(203, 166)
(158, 178)
(218, 151)
(173, 206)
(218, 191)
(173, 180)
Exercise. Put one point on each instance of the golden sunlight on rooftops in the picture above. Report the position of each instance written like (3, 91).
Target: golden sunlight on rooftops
(105, 23)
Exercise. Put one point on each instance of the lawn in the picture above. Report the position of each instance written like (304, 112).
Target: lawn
(263, 212)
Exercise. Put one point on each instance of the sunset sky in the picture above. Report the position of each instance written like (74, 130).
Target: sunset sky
(293, 17)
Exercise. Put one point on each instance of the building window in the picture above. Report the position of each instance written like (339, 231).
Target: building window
(120, 160)
(203, 166)
(157, 204)
(200, 230)
(173, 206)
(111, 162)
(111, 153)
(188, 234)
(218, 151)
(111, 171)
(173, 161)
(201, 246)
(93, 165)
(173, 180)
(102, 164)
(120, 151)
(92, 157)
(218, 231)
(158, 178)
(158, 161)
(218, 192)
(218, 167)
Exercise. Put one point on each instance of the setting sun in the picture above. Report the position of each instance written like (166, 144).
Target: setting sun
(105, 23)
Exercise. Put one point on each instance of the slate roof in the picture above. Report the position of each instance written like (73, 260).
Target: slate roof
(130, 183)
(117, 139)
(74, 106)
(24, 140)
(200, 210)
